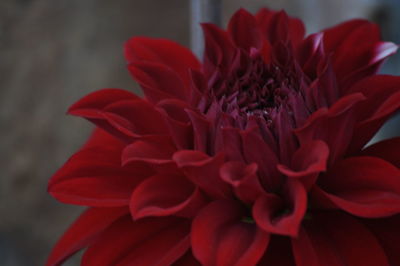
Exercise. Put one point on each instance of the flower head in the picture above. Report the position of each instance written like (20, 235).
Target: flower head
(254, 156)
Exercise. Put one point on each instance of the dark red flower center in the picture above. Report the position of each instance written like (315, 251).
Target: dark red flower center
(252, 87)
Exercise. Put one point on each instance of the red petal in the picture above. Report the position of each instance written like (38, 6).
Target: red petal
(101, 98)
(273, 216)
(101, 149)
(286, 139)
(94, 177)
(382, 100)
(278, 252)
(164, 195)
(149, 241)
(333, 37)
(388, 233)
(99, 191)
(307, 162)
(310, 53)
(83, 232)
(203, 171)
(256, 150)
(138, 117)
(187, 260)
(219, 237)
(154, 150)
(122, 118)
(336, 239)
(219, 49)
(201, 131)
(178, 122)
(243, 179)
(353, 64)
(100, 137)
(333, 126)
(164, 52)
(389, 150)
(278, 26)
(304, 252)
(363, 186)
(158, 77)
(244, 30)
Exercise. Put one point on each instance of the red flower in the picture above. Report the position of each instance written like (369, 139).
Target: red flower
(255, 156)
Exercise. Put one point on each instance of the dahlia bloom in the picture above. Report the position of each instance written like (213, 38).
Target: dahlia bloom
(256, 156)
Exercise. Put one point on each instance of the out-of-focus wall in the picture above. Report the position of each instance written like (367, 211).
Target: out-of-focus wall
(52, 52)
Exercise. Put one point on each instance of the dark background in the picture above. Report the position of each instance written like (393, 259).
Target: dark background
(52, 52)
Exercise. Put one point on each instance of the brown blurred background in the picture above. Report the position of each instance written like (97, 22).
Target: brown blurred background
(52, 52)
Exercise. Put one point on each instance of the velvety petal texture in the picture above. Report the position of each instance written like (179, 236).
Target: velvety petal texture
(255, 155)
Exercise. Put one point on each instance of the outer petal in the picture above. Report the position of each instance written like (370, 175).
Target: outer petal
(83, 232)
(219, 49)
(201, 131)
(163, 195)
(178, 122)
(94, 176)
(203, 171)
(333, 37)
(388, 233)
(255, 150)
(220, 238)
(154, 150)
(276, 25)
(336, 239)
(352, 185)
(159, 241)
(102, 98)
(278, 252)
(244, 30)
(388, 150)
(271, 214)
(382, 100)
(353, 64)
(307, 162)
(243, 179)
(100, 149)
(333, 126)
(187, 259)
(122, 118)
(162, 51)
(158, 81)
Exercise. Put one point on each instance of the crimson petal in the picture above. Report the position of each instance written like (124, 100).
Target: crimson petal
(100, 99)
(155, 77)
(265, 158)
(307, 162)
(382, 100)
(219, 237)
(271, 214)
(83, 232)
(387, 232)
(336, 239)
(244, 31)
(243, 179)
(332, 125)
(154, 150)
(203, 171)
(389, 150)
(162, 51)
(127, 243)
(358, 190)
(94, 177)
(164, 195)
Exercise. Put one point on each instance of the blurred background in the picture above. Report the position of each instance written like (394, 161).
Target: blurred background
(52, 52)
